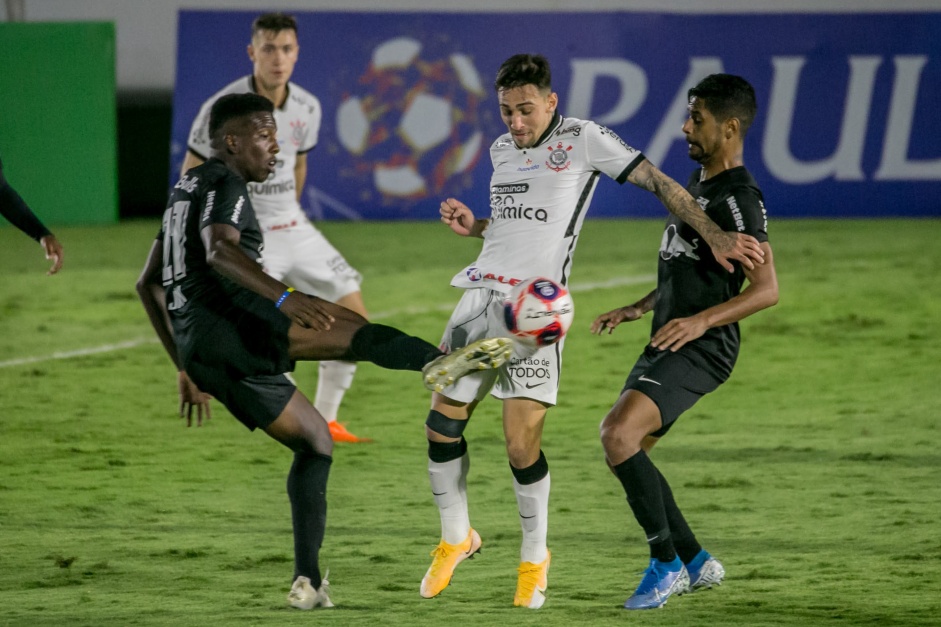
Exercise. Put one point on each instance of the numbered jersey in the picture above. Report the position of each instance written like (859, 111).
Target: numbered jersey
(538, 200)
(208, 194)
(690, 280)
(298, 120)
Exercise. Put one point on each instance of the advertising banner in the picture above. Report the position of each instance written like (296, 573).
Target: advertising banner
(844, 127)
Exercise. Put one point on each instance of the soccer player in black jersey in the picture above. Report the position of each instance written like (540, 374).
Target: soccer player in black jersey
(233, 331)
(694, 336)
(15, 209)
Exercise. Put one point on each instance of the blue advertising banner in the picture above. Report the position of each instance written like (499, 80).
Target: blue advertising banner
(845, 125)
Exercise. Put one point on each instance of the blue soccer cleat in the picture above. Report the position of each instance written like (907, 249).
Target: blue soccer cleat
(661, 580)
(704, 571)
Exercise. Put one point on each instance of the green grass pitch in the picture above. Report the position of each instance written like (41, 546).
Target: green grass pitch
(814, 474)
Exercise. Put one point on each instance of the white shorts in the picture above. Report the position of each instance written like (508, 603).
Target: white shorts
(303, 258)
(532, 373)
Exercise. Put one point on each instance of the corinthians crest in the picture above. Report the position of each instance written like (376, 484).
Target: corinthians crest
(558, 157)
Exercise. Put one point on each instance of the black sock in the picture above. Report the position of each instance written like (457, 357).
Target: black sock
(687, 547)
(390, 348)
(641, 482)
(307, 491)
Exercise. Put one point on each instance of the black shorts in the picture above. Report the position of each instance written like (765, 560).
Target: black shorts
(239, 358)
(674, 381)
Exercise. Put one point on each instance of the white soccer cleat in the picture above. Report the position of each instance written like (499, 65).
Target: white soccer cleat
(486, 354)
(304, 596)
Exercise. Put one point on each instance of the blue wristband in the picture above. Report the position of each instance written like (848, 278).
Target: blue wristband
(287, 293)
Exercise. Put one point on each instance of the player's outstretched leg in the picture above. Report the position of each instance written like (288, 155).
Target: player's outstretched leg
(704, 571)
(480, 355)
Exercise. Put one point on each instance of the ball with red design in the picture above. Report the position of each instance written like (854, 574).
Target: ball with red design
(538, 311)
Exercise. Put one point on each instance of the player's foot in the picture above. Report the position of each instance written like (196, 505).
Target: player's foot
(339, 433)
(483, 354)
(446, 558)
(661, 580)
(304, 596)
(531, 584)
(704, 571)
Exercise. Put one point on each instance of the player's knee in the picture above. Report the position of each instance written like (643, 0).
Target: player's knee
(616, 436)
(438, 423)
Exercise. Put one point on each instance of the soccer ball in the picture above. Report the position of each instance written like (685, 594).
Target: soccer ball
(538, 311)
(412, 124)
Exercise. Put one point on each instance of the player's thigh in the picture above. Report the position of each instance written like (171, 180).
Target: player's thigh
(628, 425)
(471, 320)
(333, 343)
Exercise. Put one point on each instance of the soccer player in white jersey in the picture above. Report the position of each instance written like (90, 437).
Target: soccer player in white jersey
(295, 251)
(546, 169)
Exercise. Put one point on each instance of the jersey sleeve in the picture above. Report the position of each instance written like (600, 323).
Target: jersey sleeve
(223, 203)
(314, 118)
(609, 153)
(744, 211)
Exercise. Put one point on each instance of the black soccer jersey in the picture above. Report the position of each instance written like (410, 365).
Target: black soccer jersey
(690, 280)
(207, 194)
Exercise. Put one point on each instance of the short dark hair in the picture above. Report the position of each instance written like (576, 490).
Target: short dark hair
(524, 69)
(276, 22)
(233, 106)
(727, 96)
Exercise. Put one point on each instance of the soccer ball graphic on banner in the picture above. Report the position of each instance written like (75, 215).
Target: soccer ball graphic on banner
(538, 311)
(412, 123)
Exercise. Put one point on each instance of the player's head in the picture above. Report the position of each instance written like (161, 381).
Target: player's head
(721, 110)
(527, 102)
(243, 133)
(273, 49)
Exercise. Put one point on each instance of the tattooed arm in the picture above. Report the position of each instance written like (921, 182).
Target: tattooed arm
(726, 247)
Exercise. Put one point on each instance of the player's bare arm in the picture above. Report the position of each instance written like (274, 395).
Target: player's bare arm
(225, 257)
(153, 297)
(726, 247)
(300, 174)
(460, 219)
(760, 293)
(628, 313)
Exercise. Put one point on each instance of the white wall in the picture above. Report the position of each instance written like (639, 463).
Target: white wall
(146, 29)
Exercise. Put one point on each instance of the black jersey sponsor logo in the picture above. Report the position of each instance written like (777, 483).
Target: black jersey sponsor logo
(736, 213)
(210, 202)
(607, 131)
(238, 209)
(531, 368)
(187, 183)
(703, 202)
(672, 245)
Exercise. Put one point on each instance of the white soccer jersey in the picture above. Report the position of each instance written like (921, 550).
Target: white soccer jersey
(275, 200)
(538, 200)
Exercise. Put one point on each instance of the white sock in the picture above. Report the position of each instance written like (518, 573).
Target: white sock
(533, 501)
(333, 380)
(449, 487)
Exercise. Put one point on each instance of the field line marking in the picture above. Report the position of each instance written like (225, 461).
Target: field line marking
(110, 348)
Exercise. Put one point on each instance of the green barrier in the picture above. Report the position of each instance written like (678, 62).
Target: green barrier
(58, 119)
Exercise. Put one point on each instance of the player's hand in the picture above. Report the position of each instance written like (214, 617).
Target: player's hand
(307, 311)
(677, 332)
(190, 397)
(458, 216)
(615, 317)
(737, 247)
(53, 250)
